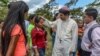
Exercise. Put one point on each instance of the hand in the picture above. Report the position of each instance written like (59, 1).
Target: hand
(28, 51)
(27, 47)
(46, 42)
(42, 17)
(90, 46)
(80, 34)
(37, 54)
(46, 45)
(71, 53)
(53, 29)
(0, 54)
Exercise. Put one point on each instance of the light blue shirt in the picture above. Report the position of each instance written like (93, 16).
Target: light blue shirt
(93, 47)
(26, 24)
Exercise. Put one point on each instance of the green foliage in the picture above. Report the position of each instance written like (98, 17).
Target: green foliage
(3, 13)
(3, 9)
(71, 2)
(44, 11)
(98, 19)
(3, 2)
(95, 3)
(77, 11)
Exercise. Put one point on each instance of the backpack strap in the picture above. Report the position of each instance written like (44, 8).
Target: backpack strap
(90, 31)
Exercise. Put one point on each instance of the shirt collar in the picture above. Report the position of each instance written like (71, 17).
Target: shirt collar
(90, 24)
(38, 29)
(66, 20)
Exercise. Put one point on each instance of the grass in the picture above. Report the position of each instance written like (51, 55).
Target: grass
(49, 44)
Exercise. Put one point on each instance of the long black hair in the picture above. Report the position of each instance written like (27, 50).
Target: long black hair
(31, 17)
(15, 16)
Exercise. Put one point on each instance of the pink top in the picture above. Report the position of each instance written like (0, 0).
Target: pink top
(20, 49)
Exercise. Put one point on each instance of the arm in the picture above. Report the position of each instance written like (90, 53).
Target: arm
(16, 32)
(46, 37)
(74, 37)
(12, 45)
(33, 35)
(29, 39)
(50, 24)
(96, 41)
(0, 51)
(80, 32)
(0, 45)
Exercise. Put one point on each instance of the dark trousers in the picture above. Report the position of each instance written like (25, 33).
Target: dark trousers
(85, 53)
(73, 54)
(53, 38)
(82, 52)
(79, 47)
(41, 51)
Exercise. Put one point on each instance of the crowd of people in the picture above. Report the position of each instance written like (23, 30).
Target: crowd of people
(21, 37)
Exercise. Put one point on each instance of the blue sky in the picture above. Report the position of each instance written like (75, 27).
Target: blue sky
(80, 3)
(34, 4)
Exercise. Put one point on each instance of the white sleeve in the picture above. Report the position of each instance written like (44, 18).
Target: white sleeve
(50, 24)
(74, 37)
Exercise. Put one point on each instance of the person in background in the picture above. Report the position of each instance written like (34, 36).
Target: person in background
(80, 35)
(91, 40)
(39, 37)
(13, 34)
(53, 30)
(26, 24)
(29, 30)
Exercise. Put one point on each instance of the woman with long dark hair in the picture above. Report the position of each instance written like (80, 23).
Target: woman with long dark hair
(13, 32)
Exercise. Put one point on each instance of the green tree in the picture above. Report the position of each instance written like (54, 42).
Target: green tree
(77, 11)
(71, 3)
(95, 3)
(3, 2)
(44, 11)
(3, 9)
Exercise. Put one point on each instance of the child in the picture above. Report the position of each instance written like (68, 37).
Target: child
(39, 37)
(30, 27)
(80, 34)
